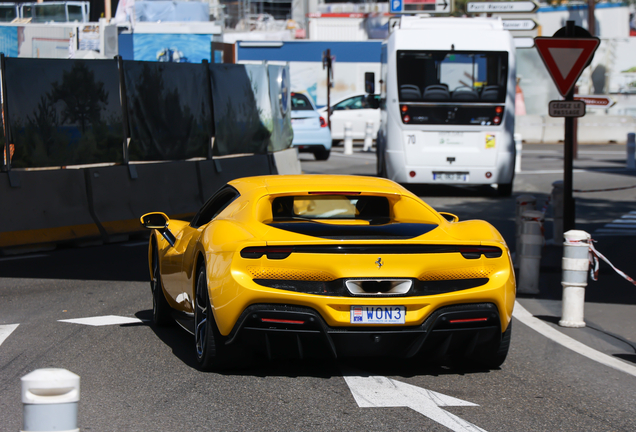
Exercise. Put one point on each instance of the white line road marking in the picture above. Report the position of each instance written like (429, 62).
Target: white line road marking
(6, 330)
(23, 257)
(536, 324)
(103, 320)
(613, 225)
(379, 391)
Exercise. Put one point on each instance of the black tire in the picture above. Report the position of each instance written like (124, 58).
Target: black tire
(504, 189)
(208, 342)
(322, 154)
(495, 358)
(161, 311)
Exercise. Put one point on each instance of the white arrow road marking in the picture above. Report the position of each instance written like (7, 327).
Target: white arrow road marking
(103, 320)
(536, 324)
(6, 330)
(379, 391)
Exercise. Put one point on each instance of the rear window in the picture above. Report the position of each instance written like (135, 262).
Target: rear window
(300, 102)
(352, 207)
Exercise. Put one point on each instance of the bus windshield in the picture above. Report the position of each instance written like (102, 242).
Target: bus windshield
(452, 76)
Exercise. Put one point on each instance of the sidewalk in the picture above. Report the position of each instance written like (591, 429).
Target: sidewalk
(610, 302)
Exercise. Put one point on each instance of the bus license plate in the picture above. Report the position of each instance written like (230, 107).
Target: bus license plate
(450, 176)
(378, 314)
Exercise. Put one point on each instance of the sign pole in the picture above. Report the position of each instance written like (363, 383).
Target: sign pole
(568, 156)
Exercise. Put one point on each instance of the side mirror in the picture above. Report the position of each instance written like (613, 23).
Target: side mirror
(449, 217)
(369, 82)
(158, 221)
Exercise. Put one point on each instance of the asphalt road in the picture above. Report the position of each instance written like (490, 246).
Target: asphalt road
(135, 377)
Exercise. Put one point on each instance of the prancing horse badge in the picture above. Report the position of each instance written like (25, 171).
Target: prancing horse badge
(379, 263)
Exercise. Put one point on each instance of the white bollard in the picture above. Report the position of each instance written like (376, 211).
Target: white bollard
(348, 138)
(557, 211)
(50, 398)
(631, 150)
(530, 252)
(518, 150)
(524, 203)
(575, 265)
(368, 136)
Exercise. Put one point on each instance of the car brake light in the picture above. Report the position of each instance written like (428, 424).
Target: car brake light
(281, 321)
(468, 320)
(323, 123)
(272, 252)
(477, 251)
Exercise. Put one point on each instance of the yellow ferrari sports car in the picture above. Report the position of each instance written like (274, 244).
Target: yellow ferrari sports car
(325, 265)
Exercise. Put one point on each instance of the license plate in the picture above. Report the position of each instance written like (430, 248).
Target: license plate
(378, 314)
(450, 176)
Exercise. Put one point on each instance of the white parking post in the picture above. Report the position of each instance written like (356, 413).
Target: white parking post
(348, 138)
(368, 136)
(557, 211)
(518, 150)
(575, 265)
(524, 203)
(530, 252)
(50, 398)
(631, 150)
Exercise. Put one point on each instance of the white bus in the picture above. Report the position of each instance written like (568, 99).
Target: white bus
(447, 103)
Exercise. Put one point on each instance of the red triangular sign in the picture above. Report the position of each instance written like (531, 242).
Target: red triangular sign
(565, 58)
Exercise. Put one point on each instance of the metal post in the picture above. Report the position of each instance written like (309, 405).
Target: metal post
(532, 242)
(6, 160)
(348, 138)
(575, 265)
(568, 155)
(631, 150)
(50, 398)
(518, 150)
(329, 88)
(368, 136)
(557, 211)
(124, 106)
(524, 203)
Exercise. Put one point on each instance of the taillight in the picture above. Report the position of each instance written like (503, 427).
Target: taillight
(404, 108)
(406, 118)
(475, 252)
(272, 252)
(499, 110)
(323, 123)
(496, 120)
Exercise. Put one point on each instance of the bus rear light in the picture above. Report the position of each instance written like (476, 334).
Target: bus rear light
(412, 173)
(496, 120)
(499, 110)
(404, 108)
(323, 123)
(488, 174)
(406, 118)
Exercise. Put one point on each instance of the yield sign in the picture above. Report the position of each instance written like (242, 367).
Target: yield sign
(566, 58)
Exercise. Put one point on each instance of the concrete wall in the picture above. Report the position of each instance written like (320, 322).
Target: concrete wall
(42, 208)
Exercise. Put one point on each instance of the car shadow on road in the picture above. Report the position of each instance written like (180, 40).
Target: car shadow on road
(182, 345)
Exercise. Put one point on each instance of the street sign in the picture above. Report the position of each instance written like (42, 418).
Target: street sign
(560, 108)
(565, 58)
(596, 101)
(519, 24)
(503, 6)
(523, 42)
(421, 6)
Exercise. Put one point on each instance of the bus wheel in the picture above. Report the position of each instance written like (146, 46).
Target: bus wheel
(504, 189)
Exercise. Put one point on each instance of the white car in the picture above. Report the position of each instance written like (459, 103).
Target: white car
(357, 109)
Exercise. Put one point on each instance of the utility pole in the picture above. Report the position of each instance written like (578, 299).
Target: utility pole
(326, 64)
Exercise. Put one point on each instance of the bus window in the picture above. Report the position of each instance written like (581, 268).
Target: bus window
(452, 76)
